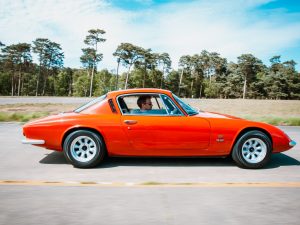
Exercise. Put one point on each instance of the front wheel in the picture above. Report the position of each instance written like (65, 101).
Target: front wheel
(252, 150)
(84, 149)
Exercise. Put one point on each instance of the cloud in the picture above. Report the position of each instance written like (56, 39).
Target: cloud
(230, 29)
(227, 27)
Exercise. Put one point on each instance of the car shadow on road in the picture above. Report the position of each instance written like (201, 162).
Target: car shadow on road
(277, 160)
(166, 162)
(58, 158)
(54, 158)
(281, 159)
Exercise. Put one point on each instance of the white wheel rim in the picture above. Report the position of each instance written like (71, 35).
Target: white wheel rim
(254, 150)
(83, 148)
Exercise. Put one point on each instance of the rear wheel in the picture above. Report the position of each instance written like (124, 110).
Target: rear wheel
(84, 149)
(252, 150)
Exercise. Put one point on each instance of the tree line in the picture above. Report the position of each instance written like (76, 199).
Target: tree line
(203, 75)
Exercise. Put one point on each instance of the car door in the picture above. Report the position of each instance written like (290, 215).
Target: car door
(169, 134)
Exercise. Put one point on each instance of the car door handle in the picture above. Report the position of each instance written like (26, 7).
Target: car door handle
(130, 122)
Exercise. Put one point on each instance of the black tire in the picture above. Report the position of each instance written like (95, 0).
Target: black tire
(252, 150)
(84, 149)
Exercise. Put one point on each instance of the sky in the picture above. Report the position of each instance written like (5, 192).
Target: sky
(263, 28)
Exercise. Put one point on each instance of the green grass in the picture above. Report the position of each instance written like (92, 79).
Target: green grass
(277, 121)
(20, 117)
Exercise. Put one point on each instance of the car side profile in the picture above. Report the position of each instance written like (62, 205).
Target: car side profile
(156, 123)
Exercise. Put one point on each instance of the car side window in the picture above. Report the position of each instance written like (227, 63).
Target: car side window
(142, 104)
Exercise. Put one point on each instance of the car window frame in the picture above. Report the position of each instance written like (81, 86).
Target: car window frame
(145, 114)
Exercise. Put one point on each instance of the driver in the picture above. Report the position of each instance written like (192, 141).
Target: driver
(144, 102)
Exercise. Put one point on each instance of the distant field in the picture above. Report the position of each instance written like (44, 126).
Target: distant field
(278, 112)
(249, 107)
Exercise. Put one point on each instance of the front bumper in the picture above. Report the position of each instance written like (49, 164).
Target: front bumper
(292, 143)
(33, 142)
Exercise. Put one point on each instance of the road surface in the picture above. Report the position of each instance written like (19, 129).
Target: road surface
(38, 186)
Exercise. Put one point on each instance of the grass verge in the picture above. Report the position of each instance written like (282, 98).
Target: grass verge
(20, 117)
(27, 116)
(277, 121)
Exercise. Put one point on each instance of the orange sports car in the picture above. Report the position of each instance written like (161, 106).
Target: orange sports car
(153, 122)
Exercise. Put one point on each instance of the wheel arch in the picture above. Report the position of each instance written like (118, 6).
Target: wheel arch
(247, 129)
(82, 128)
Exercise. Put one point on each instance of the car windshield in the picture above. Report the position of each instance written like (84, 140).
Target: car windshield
(189, 109)
(87, 105)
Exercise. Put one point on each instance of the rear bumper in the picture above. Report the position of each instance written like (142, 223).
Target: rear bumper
(292, 143)
(33, 141)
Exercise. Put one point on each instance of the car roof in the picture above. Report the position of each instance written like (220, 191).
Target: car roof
(139, 90)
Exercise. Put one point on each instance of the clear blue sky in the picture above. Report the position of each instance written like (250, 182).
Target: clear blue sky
(263, 28)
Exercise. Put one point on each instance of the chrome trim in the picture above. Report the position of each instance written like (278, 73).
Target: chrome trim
(33, 142)
(292, 143)
(130, 122)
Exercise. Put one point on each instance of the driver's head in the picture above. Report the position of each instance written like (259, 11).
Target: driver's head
(144, 102)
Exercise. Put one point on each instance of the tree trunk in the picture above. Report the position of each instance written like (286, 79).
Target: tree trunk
(37, 81)
(12, 83)
(144, 79)
(92, 77)
(19, 81)
(245, 87)
(70, 84)
(200, 93)
(117, 80)
(127, 77)
(86, 87)
(45, 82)
(180, 81)
(22, 85)
(37, 85)
(192, 87)
(162, 78)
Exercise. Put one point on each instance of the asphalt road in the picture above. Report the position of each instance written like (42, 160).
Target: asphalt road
(38, 186)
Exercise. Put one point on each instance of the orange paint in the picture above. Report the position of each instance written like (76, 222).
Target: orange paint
(204, 134)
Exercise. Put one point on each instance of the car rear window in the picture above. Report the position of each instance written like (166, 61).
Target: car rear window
(89, 104)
